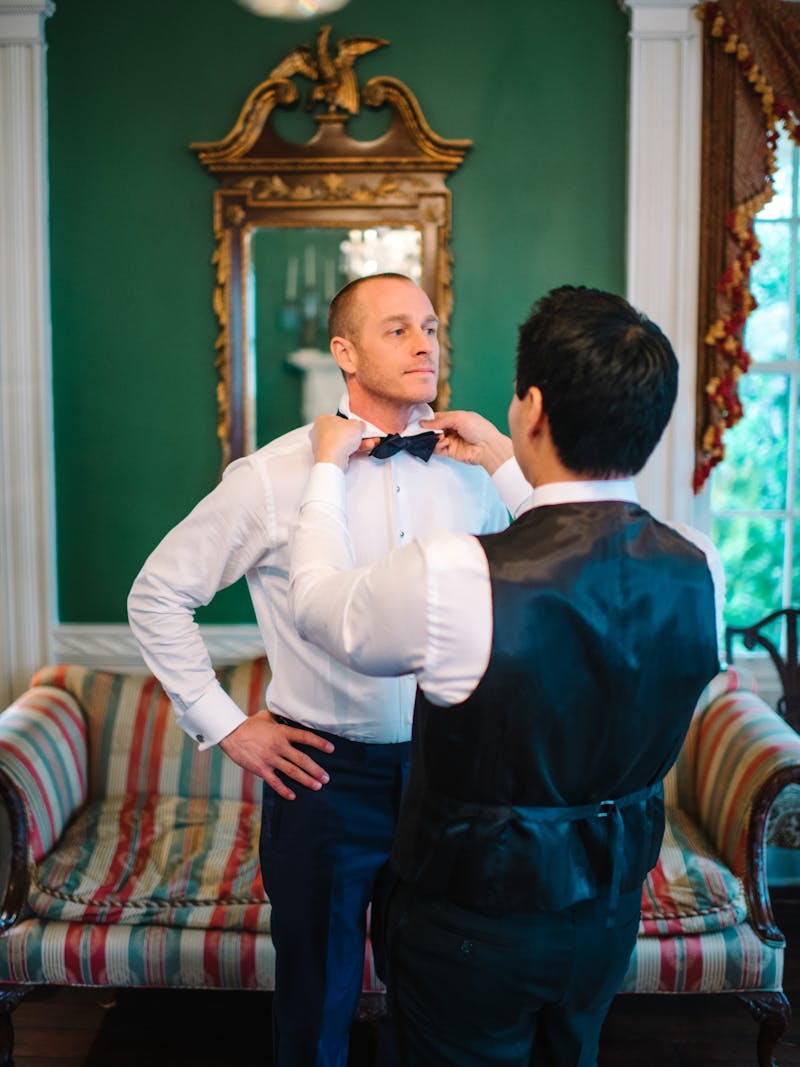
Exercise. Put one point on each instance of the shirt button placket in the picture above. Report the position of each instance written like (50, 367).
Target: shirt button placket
(401, 532)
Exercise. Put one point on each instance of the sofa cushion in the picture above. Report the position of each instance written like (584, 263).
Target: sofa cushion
(690, 890)
(177, 861)
(135, 744)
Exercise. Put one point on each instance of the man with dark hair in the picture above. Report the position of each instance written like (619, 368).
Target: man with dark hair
(558, 663)
(327, 822)
(585, 348)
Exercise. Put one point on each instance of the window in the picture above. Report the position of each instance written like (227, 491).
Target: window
(755, 492)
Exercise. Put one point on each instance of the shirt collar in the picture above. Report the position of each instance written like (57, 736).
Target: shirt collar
(622, 489)
(420, 411)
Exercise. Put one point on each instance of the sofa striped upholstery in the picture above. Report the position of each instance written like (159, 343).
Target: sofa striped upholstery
(690, 890)
(736, 746)
(41, 952)
(174, 861)
(135, 746)
(679, 783)
(744, 744)
(155, 882)
(730, 960)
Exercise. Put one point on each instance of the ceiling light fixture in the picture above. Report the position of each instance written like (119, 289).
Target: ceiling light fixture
(295, 10)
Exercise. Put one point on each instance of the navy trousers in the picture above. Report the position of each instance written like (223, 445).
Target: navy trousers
(320, 855)
(471, 990)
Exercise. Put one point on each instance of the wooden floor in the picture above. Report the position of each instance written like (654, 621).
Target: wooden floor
(85, 1028)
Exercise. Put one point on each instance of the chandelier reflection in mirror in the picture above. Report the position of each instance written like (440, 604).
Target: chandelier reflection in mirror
(312, 278)
(382, 248)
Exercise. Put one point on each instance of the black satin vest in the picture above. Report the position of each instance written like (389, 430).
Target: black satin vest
(543, 788)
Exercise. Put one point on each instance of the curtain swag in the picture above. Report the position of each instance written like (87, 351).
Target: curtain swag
(751, 82)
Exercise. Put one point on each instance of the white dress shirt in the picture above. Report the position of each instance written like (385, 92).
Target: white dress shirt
(242, 527)
(439, 625)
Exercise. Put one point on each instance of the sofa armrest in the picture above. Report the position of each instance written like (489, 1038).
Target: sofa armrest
(743, 755)
(44, 760)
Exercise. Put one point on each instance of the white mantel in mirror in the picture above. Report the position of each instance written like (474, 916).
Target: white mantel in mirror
(323, 384)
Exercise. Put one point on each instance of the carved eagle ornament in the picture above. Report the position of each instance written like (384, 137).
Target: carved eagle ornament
(337, 86)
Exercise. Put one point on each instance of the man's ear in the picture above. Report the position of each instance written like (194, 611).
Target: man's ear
(344, 354)
(534, 411)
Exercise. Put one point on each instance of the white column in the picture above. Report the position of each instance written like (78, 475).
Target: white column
(27, 602)
(665, 104)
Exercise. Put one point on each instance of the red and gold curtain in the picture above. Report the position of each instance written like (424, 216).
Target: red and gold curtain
(751, 83)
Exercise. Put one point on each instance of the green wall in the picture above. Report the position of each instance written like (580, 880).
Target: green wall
(539, 87)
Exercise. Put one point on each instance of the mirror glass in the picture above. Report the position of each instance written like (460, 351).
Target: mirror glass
(294, 274)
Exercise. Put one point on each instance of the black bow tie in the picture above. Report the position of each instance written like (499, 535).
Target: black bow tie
(420, 445)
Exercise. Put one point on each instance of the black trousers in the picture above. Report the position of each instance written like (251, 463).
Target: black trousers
(320, 854)
(470, 990)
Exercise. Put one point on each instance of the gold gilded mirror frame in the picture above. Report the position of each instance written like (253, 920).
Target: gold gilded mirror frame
(331, 181)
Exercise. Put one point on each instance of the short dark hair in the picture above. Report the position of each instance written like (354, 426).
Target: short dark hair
(608, 378)
(344, 319)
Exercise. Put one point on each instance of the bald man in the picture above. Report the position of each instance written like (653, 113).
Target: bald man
(331, 745)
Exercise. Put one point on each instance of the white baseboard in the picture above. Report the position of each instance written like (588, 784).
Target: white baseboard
(112, 647)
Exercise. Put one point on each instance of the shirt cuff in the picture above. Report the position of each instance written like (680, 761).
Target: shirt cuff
(326, 485)
(510, 483)
(211, 718)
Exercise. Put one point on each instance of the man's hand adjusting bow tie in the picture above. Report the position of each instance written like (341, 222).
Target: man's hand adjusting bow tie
(421, 445)
(335, 438)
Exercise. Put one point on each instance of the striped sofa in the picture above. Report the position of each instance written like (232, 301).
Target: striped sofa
(129, 859)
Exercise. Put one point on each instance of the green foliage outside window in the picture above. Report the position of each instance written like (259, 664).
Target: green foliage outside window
(755, 495)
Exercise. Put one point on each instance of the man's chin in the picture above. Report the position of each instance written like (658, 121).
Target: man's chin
(426, 394)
